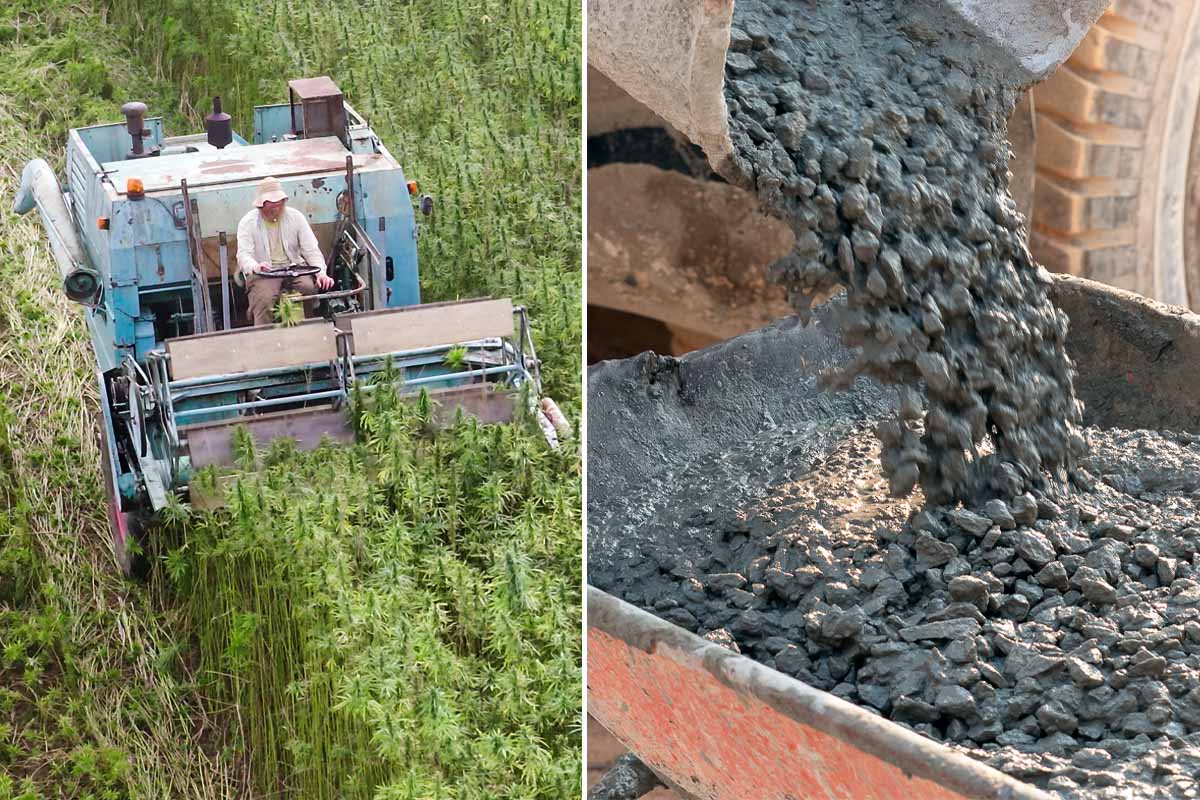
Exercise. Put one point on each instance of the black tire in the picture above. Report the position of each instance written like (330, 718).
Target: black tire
(1115, 199)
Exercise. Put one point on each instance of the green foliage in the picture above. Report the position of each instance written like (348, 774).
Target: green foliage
(84, 710)
(63, 68)
(400, 618)
(288, 313)
(89, 76)
(456, 357)
(43, 726)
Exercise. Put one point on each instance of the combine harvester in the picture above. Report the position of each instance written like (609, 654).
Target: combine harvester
(144, 234)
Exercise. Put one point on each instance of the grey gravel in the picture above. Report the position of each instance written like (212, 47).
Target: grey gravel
(1106, 659)
(894, 179)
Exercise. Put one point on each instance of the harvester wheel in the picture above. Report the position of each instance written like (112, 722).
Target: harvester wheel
(122, 525)
(1116, 195)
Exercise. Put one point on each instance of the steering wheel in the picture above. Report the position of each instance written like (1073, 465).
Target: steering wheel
(290, 271)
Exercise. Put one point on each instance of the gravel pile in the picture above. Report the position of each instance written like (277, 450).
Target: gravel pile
(1012, 585)
(1055, 636)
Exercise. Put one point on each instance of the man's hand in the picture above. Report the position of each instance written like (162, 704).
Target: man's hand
(261, 267)
(324, 281)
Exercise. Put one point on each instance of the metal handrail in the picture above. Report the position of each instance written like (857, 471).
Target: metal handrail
(206, 380)
(477, 343)
(450, 376)
(526, 338)
(264, 403)
(342, 373)
(342, 393)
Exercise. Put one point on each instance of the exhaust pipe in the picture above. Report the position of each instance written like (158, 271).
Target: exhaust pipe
(40, 188)
(135, 124)
(218, 126)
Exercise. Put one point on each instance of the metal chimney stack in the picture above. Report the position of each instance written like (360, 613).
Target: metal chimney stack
(135, 114)
(219, 126)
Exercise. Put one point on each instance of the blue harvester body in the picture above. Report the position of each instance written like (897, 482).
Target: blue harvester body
(144, 231)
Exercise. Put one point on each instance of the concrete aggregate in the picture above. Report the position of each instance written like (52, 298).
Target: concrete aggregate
(1052, 650)
(883, 146)
(1009, 583)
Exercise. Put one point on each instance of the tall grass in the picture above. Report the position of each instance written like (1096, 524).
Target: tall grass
(94, 699)
(480, 100)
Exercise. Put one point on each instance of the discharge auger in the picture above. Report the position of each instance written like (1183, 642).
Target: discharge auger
(144, 233)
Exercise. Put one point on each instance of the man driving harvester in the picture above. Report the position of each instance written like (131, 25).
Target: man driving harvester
(272, 237)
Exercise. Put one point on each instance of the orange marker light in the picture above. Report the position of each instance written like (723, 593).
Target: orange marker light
(102, 223)
(133, 188)
(412, 187)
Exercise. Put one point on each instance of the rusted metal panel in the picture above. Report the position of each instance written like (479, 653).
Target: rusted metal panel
(1135, 358)
(238, 351)
(723, 727)
(480, 400)
(309, 88)
(317, 108)
(211, 443)
(250, 162)
(414, 327)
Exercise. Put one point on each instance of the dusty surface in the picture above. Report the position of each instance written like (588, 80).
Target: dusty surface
(652, 416)
(610, 108)
(603, 750)
(1136, 359)
(670, 57)
(617, 334)
(1060, 644)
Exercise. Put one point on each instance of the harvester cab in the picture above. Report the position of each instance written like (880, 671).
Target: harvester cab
(144, 233)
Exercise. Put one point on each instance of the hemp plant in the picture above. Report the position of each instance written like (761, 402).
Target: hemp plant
(288, 312)
(455, 357)
(398, 618)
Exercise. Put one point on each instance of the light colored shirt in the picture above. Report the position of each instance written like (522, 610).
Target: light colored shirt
(275, 243)
(296, 236)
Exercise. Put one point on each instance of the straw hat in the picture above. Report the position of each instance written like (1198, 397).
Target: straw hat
(269, 189)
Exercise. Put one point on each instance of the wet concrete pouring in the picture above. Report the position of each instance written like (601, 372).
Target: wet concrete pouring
(877, 130)
(1009, 583)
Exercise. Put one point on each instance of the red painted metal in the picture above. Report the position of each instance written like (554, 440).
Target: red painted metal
(117, 520)
(211, 443)
(721, 727)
